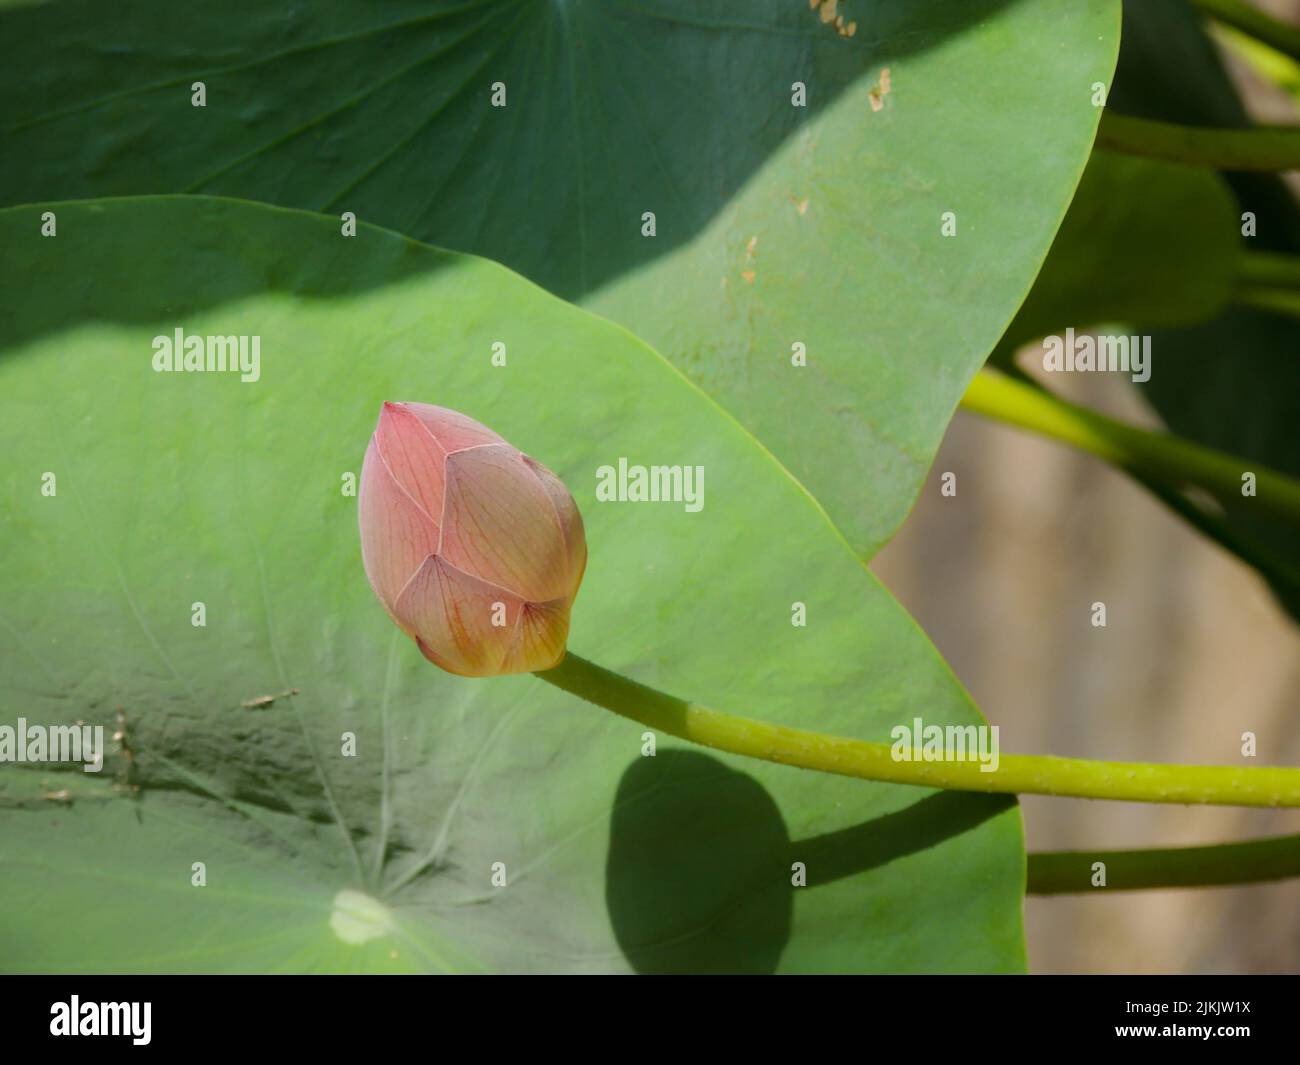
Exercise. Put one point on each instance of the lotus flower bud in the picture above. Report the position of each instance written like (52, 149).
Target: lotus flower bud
(474, 549)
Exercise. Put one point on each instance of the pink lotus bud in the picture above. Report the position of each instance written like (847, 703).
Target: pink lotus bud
(474, 549)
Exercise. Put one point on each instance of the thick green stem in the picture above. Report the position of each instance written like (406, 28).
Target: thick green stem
(1255, 23)
(1256, 148)
(1067, 872)
(1162, 455)
(1015, 774)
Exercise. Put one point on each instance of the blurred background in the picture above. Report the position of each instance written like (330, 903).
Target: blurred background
(1196, 651)
(1003, 576)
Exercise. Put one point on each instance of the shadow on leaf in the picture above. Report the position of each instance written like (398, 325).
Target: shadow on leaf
(699, 875)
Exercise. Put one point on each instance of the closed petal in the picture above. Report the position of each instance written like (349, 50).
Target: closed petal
(453, 431)
(499, 524)
(461, 623)
(414, 458)
(540, 636)
(566, 513)
(396, 535)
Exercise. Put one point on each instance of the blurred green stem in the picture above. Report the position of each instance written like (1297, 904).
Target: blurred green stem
(1015, 774)
(1272, 566)
(1256, 148)
(1281, 573)
(1250, 20)
(1269, 281)
(1274, 300)
(1162, 455)
(1066, 872)
(1265, 62)
(1269, 269)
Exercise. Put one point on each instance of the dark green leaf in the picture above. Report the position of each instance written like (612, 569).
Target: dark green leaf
(775, 225)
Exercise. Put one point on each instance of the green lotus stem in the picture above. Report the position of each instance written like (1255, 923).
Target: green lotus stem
(1269, 269)
(1015, 774)
(1253, 862)
(1162, 455)
(1269, 281)
(1253, 22)
(1266, 62)
(1256, 148)
(1277, 570)
(1274, 300)
(1270, 565)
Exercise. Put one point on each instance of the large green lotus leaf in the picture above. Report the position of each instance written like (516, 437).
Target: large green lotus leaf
(775, 225)
(1143, 241)
(176, 489)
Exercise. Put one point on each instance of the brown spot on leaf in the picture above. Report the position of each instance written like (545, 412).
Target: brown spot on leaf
(830, 14)
(258, 702)
(877, 95)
